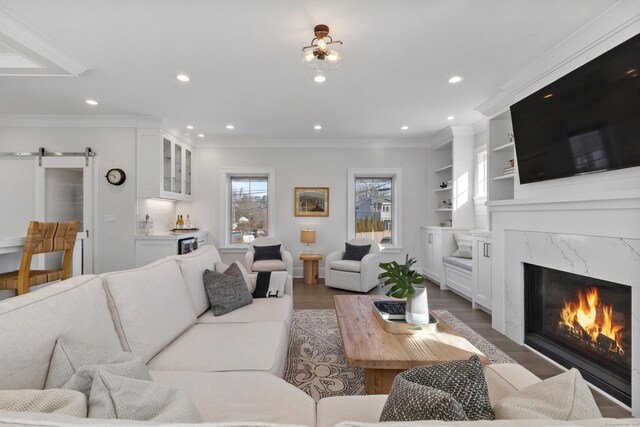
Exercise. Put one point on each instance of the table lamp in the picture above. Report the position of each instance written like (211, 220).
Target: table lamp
(307, 236)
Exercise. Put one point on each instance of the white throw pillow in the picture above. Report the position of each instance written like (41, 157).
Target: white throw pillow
(117, 397)
(73, 367)
(55, 401)
(465, 245)
(193, 266)
(245, 277)
(563, 397)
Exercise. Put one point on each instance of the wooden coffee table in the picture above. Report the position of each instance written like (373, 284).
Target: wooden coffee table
(382, 354)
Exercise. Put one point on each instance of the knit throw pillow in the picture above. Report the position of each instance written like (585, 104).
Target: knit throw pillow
(453, 391)
(226, 292)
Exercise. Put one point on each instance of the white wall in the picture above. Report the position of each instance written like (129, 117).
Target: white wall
(115, 147)
(480, 209)
(311, 167)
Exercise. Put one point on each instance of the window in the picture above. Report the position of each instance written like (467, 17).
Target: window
(480, 187)
(374, 206)
(248, 214)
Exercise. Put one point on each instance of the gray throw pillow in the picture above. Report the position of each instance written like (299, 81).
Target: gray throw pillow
(54, 401)
(226, 293)
(409, 401)
(73, 367)
(117, 397)
(463, 380)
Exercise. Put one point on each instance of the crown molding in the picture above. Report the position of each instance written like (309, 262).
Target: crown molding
(80, 121)
(29, 43)
(313, 143)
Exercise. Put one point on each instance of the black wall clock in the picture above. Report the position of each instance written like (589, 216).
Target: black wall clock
(116, 176)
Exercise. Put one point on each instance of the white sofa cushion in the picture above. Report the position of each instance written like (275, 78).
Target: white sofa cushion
(150, 306)
(333, 410)
(269, 265)
(262, 310)
(260, 347)
(74, 310)
(193, 266)
(242, 396)
(346, 265)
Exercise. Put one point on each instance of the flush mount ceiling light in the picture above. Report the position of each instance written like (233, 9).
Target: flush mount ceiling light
(455, 79)
(404, 127)
(91, 102)
(189, 127)
(230, 127)
(317, 55)
(200, 135)
(183, 77)
(319, 79)
(450, 117)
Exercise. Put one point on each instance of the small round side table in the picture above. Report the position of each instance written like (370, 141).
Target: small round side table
(310, 268)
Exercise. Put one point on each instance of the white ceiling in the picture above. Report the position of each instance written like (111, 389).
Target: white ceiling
(245, 65)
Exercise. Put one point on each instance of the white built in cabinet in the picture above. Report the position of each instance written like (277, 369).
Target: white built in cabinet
(165, 166)
(155, 247)
(436, 243)
(481, 296)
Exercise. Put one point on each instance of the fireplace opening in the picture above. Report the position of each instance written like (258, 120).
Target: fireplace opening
(581, 322)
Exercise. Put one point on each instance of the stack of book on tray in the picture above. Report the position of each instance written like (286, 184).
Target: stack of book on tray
(391, 310)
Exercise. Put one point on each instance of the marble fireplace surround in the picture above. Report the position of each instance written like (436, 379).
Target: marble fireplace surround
(595, 238)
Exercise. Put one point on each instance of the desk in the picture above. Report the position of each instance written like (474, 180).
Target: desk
(310, 268)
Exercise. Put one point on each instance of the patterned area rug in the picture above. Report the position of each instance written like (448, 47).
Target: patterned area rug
(316, 363)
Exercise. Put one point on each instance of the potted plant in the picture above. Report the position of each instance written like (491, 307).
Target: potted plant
(409, 284)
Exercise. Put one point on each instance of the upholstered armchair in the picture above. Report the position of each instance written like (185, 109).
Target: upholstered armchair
(254, 264)
(358, 276)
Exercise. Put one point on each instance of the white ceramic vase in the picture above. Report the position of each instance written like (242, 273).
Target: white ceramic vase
(418, 306)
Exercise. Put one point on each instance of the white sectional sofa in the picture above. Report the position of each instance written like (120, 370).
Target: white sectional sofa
(230, 366)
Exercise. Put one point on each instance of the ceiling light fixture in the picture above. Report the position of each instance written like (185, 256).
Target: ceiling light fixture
(201, 135)
(450, 117)
(189, 127)
(317, 55)
(91, 101)
(317, 127)
(230, 127)
(183, 77)
(455, 79)
(547, 96)
(404, 128)
(319, 79)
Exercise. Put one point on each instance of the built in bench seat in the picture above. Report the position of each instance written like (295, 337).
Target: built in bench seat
(458, 275)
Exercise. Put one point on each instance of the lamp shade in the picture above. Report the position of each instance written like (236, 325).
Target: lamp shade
(308, 236)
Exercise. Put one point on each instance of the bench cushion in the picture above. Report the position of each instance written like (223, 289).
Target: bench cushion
(464, 263)
(74, 310)
(269, 265)
(258, 347)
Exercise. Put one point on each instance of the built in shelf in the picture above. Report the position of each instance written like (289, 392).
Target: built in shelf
(504, 147)
(444, 168)
(443, 189)
(444, 146)
(507, 176)
(443, 210)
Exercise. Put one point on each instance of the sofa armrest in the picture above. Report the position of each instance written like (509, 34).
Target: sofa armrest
(364, 409)
(288, 260)
(288, 286)
(333, 256)
(369, 270)
(248, 261)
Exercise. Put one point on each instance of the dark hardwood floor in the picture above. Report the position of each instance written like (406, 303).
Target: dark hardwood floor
(321, 297)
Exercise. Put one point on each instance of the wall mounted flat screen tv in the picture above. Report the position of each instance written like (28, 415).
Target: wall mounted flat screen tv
(586, 121)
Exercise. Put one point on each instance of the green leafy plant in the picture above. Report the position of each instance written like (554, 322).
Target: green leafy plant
(401, 278)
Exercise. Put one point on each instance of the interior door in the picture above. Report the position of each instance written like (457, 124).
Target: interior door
(65, 192)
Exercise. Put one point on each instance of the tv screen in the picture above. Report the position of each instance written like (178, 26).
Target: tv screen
(586, 121)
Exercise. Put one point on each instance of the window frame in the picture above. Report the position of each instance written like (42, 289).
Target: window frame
(479, 198)
(396, 204)
(226, 174)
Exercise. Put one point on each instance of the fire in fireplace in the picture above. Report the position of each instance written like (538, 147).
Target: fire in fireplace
(581, 322)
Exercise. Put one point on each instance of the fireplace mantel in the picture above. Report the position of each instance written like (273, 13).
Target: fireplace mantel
(596, 236)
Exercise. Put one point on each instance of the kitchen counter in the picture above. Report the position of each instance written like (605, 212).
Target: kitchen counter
(173, 236)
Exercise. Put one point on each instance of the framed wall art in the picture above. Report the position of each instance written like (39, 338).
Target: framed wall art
(311, 201)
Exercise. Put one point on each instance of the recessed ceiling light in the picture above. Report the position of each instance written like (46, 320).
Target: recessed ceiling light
(547, 96)
(404, 128)
(230, 127)
(183, 77)
(319, 79)
(91, 101)
(631, 71)
(201, 135)
(317, 127)
(456, 79)
(450, 117)
(189, 127)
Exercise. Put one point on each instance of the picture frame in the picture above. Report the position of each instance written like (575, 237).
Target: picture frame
(311, 201)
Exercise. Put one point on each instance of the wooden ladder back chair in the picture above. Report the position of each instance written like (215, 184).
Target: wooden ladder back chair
(43, 237)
